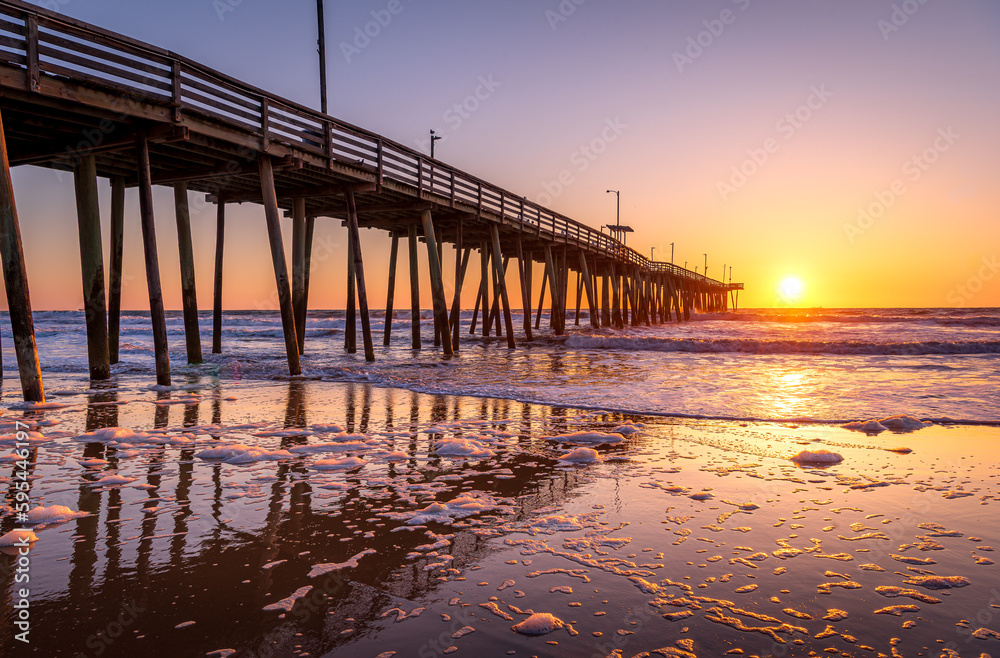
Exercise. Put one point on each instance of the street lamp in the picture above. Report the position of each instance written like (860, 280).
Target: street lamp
(652, 253)
(618, 212)
(671, 253)
(434, 137)
(706, 264)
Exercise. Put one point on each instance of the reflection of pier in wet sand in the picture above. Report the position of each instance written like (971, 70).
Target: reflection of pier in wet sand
(194, 540)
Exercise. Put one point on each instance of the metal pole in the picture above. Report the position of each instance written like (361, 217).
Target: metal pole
(322, 57)
(671, 253)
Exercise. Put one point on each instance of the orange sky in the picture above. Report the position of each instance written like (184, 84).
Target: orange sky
(828, 108)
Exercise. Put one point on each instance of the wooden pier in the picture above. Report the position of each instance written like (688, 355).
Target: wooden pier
(80, 98)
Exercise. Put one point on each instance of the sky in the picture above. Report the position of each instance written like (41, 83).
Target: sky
(846, 143)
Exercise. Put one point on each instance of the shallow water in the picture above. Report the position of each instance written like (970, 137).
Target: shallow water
(825, 365)
(621, 539)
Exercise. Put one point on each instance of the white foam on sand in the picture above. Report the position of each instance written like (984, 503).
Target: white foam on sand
(238, 453)
(899, 423)
(539, 623)
(320, 569)
(286, 604)
(17, 537)
(581, 456)
(52, 514)
(339, 464)
(589, 438)
(817, 457)
(462, 448)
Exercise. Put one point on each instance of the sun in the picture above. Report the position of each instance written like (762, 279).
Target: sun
(791, 289)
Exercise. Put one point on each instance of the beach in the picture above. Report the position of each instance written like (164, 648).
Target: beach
(242, 515)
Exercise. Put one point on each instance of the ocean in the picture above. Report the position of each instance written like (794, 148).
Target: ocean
(763, 483)
(823, 365)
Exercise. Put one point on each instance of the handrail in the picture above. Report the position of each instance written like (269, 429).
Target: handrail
(46, 43)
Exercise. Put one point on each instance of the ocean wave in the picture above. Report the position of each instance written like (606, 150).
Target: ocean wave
(749, 346)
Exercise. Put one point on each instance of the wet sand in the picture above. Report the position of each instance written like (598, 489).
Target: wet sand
(312, 518)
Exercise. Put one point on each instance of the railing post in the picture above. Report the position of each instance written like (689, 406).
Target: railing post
(265, 138)
(175, 79)
(328, 147)
(31, 51)
(378, 149)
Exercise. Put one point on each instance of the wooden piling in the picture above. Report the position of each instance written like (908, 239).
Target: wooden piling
(456, 308)
(390, 289)
(220, 239)
(411, 235)
(278, 260)
(350, 316)
(579, 298)
(605, 300)
(524, 276)
(15, 277)
(156, 313)
(189, 295)
(591, 296)
(437, 283)
(541, 296)
(484, 285)
(88, 216)
(359, 276)
(117, 260)
(554, 279)
(299, 270)
(508, 322)
(456, 305)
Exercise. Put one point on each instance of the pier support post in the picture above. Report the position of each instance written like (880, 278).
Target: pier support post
(359, 276)
(541, 295)
(350, 315)
(299, 270)
(411, 236)
(589, 284)
(270, 199)
(88, 217)
(579, 298)
(456, 305)
(524, 276)
(484, 263)
(605, 300)
(390, 289)
(117, 259)
(502, 284)
(156, 312)
(189, 295)
(437, 283)
(15, 277)
(554, 280)
(220, 239)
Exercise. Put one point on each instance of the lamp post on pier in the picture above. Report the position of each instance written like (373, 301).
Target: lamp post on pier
(671, 253)
(434, 137)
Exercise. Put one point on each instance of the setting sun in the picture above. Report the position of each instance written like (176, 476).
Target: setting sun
(791, 289)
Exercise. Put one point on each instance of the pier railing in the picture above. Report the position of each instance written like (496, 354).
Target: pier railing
(48, 44)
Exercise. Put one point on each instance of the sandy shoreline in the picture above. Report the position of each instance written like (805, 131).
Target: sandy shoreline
(457, 513)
